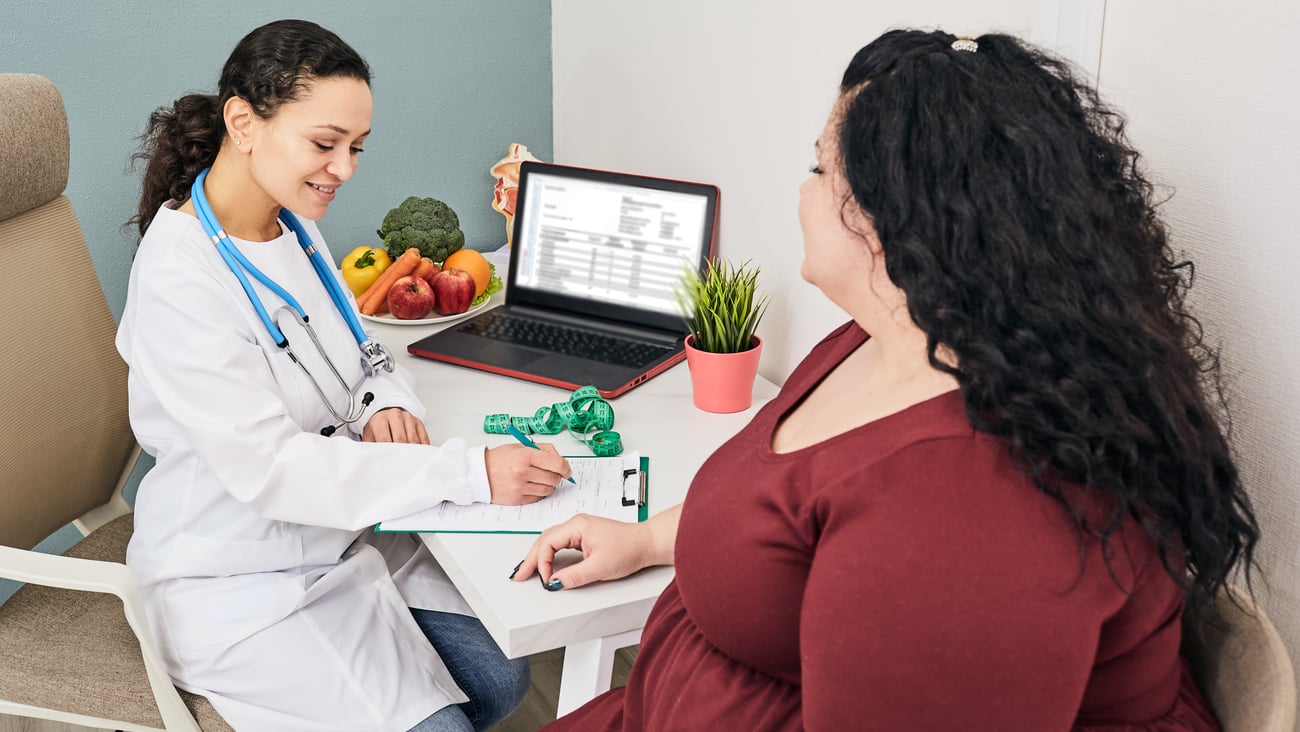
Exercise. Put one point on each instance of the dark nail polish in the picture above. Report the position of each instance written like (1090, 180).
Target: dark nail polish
(554, 584)
(515, 571)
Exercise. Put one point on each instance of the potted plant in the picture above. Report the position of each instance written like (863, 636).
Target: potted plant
(721, 308)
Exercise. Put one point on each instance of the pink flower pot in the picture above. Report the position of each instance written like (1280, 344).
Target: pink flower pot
(723, 382)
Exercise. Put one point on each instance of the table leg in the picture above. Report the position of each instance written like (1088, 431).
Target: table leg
(589, 669)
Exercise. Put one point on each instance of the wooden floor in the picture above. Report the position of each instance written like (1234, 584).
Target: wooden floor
(537, 709)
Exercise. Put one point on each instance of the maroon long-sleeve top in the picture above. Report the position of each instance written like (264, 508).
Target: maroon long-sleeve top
(900, 576)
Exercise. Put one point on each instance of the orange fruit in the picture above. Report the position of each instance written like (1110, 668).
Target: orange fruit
(468, 260)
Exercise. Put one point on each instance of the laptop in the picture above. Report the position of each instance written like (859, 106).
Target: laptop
(590, 295)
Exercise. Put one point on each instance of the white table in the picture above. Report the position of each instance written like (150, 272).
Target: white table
(656, 419)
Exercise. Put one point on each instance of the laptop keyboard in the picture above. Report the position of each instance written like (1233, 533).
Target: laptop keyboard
(567, 341)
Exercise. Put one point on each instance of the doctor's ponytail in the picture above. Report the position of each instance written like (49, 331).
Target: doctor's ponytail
(179, 142)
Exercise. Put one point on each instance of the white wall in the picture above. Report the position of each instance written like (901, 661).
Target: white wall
(701, 90)
(698, 90)
(1209, 88)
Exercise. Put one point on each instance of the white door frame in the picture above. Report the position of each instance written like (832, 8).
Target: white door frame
(1072, 28)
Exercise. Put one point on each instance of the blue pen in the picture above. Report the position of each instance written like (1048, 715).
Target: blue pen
(523, 439)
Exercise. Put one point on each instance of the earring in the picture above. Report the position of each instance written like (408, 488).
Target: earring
(239, 142)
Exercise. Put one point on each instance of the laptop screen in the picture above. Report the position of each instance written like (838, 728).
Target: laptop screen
(610, 244)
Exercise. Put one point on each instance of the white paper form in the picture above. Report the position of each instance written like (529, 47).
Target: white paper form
(602, 484)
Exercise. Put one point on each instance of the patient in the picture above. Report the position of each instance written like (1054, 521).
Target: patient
(983, 502)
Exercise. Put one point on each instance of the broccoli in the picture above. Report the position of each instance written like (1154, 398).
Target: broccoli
(424, 223)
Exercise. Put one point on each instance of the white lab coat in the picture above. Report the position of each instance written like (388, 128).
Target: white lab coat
(265, 586)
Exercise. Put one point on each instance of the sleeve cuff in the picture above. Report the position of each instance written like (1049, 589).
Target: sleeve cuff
(476, 464)
(387, 395)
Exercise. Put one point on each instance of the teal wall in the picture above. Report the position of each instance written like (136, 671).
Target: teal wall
(455, 82)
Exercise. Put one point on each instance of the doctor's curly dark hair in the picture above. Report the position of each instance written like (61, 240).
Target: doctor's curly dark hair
(1013, 214)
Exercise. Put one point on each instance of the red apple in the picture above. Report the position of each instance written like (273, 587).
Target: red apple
(453, 290)
(410, 298)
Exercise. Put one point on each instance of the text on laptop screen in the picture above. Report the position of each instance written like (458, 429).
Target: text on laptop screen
(609, 242)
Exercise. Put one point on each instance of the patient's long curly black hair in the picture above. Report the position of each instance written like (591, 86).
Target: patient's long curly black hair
(1014, 216)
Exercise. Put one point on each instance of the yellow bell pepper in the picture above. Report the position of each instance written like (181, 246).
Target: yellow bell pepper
(363, 266)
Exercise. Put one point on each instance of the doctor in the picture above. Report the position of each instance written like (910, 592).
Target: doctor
(265, 587)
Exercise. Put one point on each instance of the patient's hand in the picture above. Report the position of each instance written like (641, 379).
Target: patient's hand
(610, 550)
(395, 424)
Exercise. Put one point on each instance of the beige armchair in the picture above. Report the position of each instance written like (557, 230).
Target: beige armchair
(1243, 668)
(74, 644)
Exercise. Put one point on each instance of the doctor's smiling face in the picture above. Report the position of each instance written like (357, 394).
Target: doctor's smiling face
(309, 147)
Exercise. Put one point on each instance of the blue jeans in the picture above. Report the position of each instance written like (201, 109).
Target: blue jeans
(494, 684)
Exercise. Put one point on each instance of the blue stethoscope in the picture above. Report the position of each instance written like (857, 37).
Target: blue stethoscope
(374, 357)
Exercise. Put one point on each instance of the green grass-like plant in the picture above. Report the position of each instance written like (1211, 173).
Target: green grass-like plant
(721, 308)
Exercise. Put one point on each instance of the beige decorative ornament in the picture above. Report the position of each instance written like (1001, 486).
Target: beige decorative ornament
(506, 171)
(965, 43)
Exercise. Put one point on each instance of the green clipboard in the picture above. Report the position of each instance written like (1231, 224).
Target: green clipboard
(643, 491)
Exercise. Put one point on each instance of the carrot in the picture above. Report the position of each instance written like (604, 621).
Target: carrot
(426, 270)
(377, 293)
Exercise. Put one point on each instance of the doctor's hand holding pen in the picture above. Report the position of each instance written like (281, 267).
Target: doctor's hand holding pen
(516, 474)
(519, 474)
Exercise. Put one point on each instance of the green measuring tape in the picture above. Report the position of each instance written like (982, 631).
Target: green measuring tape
(586, 416)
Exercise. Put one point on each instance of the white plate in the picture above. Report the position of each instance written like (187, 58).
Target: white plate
(387, 318)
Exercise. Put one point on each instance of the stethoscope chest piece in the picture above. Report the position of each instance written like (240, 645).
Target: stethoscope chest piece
(375, 358)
